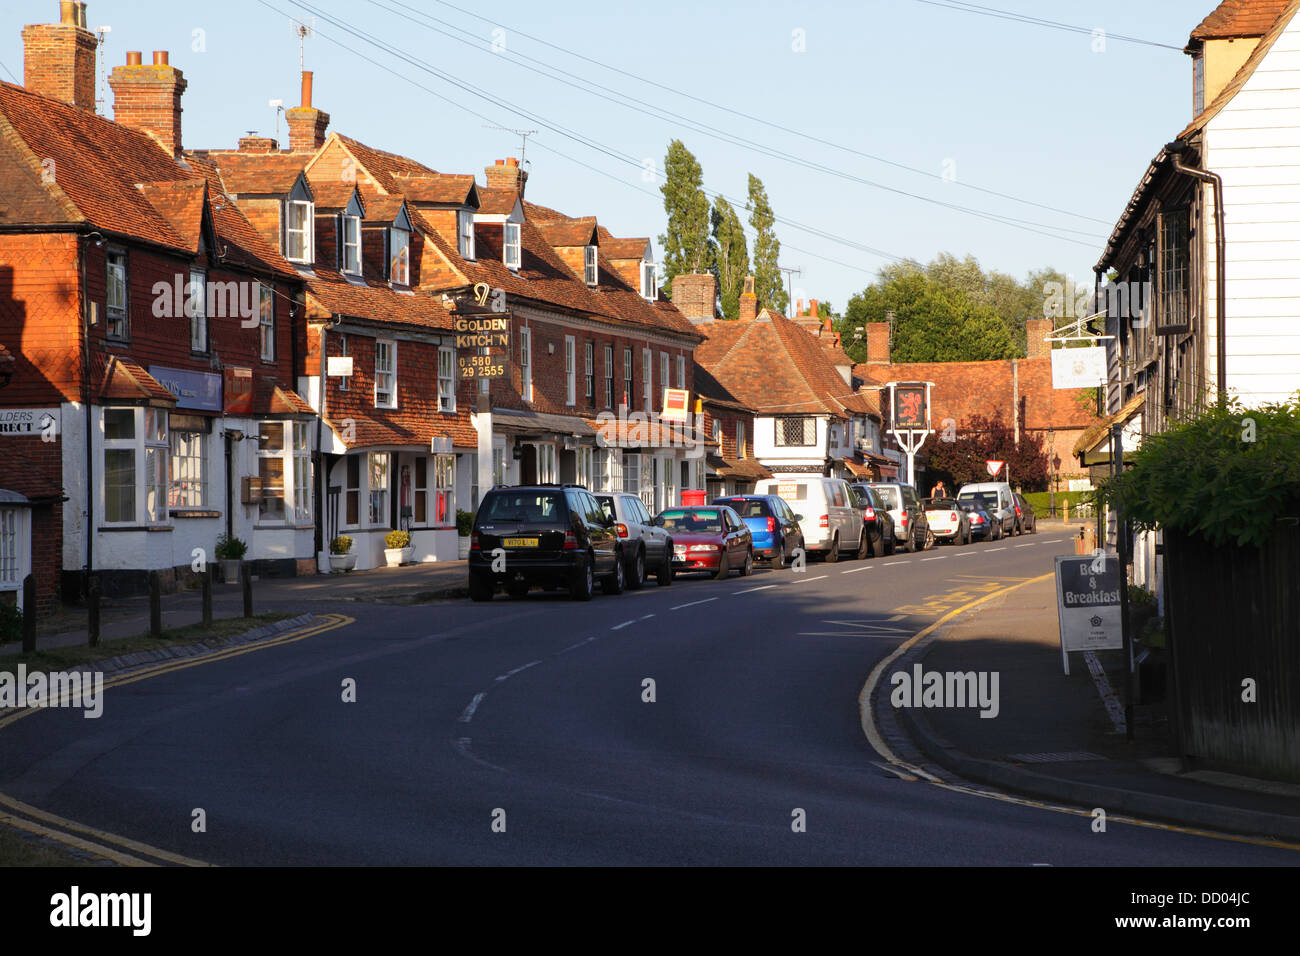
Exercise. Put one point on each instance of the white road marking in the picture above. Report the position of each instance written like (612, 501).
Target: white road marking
(1030, 545)
(806, 580)
(940, 558)
(963, 554)
(896, 617)
(892, 563)
(509, 674)
(1003, 548)
(866, 567)
(468, 713)
(692, 604)
(765, 587)
(646, 617)
(574, 647)
(619, 627)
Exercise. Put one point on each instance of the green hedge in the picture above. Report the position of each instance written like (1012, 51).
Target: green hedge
(1041, 501)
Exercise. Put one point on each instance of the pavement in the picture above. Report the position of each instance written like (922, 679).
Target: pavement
(129, 616)
(1053, 737)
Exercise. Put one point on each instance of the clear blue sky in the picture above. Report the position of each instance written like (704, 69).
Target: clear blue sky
(1014, 108)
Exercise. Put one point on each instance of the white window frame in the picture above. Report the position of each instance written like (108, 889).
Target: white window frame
(149, 445)
(629, 383)
(378, 517)
(649, 281)
(117, 296)
(570, 370)
(584, 466)
(609, 376)
(442, 491)
(589, 377)
(350, 236)
(196, 309)
(15, 549)
(511, 246)
(526, 364)
(647, 379)
(303, 479)
(303, 231)
(681, 371)
(284, 455)
(465, 232)
(663, 372)
(188, 470)
(266, 322)
(399, 256)
(548, 464)
(446, 379)
(740, 440)
(389, 373)
(590, 270)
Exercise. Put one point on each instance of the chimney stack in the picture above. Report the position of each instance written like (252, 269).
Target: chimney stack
(59, 58)
(148, 98)
(253, 143)
(877, 343)
(695, 295)
(748, 301)
(306, 125)
(1036, 330)
(506, 174)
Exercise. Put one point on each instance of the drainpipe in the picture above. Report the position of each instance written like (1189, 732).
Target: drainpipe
(85, 399)
(1175, 150)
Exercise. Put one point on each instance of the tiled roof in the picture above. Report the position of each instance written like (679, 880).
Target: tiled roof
(333, 196)
(435, 188)
(569, 232)
(739, 468)
(272, 398)
(496, 202)
(622, 248)
(329, 292)
(383, 165)
(121, 379)
(714, 392)
(181, 204)
(1240, 18)
(381, 208)
(256, 173)
(776, 368)
(1089, 439)
(412, 430)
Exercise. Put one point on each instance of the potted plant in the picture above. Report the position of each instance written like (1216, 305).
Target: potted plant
(397, 548)
(230, 552)
(341, 556)
(464, 525)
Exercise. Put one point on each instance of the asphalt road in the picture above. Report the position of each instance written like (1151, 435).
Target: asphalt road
(530, 713)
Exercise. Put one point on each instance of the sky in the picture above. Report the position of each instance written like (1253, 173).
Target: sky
(881, 128)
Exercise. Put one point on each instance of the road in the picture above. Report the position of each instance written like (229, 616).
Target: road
(530, 714)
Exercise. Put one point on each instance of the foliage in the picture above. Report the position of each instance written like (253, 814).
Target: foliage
(230, 548)
(11, 622)
(341, 545)
(1226, 474)
(731, 256)
(687, 246)
(981, 438)
(397, 539)
(767, 249)
(464, 523)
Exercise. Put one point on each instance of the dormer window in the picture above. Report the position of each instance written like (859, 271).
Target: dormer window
(399, 263)
(352, 245)
(589, 265)
(649, 287)
(510, 248)
(465, 230)
(299, 217)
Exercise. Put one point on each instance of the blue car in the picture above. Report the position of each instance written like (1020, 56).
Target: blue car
(773, 526)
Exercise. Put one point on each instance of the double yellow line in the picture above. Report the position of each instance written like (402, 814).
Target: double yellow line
(110, 846)
(911, 773)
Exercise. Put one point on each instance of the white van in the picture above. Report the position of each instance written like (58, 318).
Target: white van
(828, 517)
(998, 502)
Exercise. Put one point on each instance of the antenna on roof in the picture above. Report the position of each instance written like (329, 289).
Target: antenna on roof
(302, 30)
(278, 106)
(523, 135)
(789, 275)
(102, 33)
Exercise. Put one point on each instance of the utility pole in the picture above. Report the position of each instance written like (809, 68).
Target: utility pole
(789, 290)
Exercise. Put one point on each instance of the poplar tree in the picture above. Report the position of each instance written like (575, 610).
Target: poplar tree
(767, 249)
(687, 246)
(731, 256)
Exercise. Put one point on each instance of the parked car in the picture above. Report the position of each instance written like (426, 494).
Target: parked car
(982, 524)
(1028, 518)
(996, 496)
(705, 538)
(647, 548)
(830, 523)
(911, 529)
(947, 521)
(876, 518)
(774, 527)
(543, 535)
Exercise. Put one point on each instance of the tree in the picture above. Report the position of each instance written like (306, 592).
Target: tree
(687, 246)
(767, 249)
(982, 438)
(731, 256)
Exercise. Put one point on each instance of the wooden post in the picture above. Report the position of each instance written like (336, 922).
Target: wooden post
(92, 609)
(247, 583)
(207, 595)
(155, 604)
(29, 614)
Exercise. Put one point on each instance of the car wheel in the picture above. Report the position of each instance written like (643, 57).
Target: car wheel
(664, 577)
(748, 567)
(878, 546)
(723, 568)
(480, 587)
(892, 544)
(864, 546)
(780, 560)
(833, 554)
(615, 582)
(910, 544)
(636, 580)
(584, 581)
(929, 540)
(1033, 526)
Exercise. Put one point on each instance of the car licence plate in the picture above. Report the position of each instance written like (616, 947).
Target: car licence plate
(519, 542)
(679, 550)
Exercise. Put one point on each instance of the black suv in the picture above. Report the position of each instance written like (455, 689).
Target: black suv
(551, 536)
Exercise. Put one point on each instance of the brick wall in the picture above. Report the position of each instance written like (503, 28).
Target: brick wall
(695, 296)
(59, 61)
(40, 318)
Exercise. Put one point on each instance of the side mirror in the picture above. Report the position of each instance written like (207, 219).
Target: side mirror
(798, 517)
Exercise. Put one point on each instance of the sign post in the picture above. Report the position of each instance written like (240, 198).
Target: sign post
(909, 404)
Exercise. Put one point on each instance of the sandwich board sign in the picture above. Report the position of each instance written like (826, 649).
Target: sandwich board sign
(1087, 603)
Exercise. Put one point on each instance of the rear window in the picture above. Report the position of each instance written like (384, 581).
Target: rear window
(704, 521)
(889, 495)
(532, 507)
(989, 499)
(790, 490)
(747, 507)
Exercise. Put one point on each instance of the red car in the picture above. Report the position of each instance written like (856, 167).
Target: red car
(711, 539)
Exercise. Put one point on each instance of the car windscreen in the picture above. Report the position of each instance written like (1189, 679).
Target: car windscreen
(890, 497)
(989, 499)
(691, 522)
(529, 507)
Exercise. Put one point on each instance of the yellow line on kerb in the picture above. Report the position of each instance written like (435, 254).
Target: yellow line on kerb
(23, 816)
(873, 736)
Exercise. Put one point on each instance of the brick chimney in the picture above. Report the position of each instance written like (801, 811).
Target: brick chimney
(748, 301)
(148, 98)
(506, 174)
(59, 58)
(306, 125)
(253, 143)
(1036, 330)
(877, 343)
(696, 295)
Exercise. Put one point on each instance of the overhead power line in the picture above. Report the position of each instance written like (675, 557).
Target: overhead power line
(980, 10)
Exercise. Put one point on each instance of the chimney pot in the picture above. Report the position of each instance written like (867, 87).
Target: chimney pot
(501, 162)
(133, 58)
(306, 89)
(161, 58)
(512, 162)
(68, 13)
(813, 309)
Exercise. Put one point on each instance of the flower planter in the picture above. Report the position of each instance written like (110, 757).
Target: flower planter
(395, 557)
(343, 562)
(462, 548)
(229, 571)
